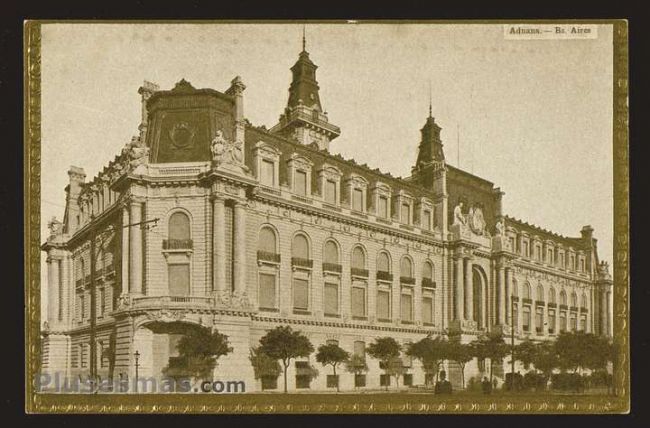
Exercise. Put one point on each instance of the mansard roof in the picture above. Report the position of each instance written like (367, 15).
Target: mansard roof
(544, 233)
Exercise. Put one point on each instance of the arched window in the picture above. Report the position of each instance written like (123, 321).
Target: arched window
(574, 299)
(427, 270)
(268, 241)
(526, 291)
(583, 302)
(540, 293)
(551, 295)
(515, 288)
(300, 247)
(179, 226)
(358, 258)
(406, 268)
(562, 297)
(383, 262)
(331, 253)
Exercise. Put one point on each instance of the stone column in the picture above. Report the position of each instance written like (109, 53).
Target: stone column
(507, 295)
(218, 247)
(53, 286)
(135, 248)
(64, 290)
(239, 244)
(460, 295)
(469, 290)
(125, 250)
(502, 295)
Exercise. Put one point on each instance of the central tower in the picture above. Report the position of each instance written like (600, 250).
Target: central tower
(304, 119)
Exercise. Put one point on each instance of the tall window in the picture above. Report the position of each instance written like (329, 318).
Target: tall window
(540, 293)
(525, 248)
(406, 268)
(562, 321)
(526, 318)
(382, 210)
(551, 321)
(267, 240)
(407, 305)
(549, 256)
(300, 247)
(539, 319)
(358, 301)
(427, 309)
(330, 191)
(383, 303)
(300, 294)
(526, 291)
(583, 301)
(102, 301)
(551, 295)
(357, 200)
(267, 175)
(383, 262)
(574, 299)
(405, 213)
(331, 298)
(178, 272)
(563, 298)
(427, 274)
(179, 227)
(331, 253)
(358, 258)
(300, 182)
(426, 220)
(82, 306)
(267, 297)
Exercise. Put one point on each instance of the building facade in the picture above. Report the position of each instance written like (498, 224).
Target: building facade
(206, 220)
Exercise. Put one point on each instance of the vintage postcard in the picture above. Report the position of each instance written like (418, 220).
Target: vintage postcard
(327, 217)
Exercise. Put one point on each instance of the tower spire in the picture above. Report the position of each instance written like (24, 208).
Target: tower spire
(304, 43)
(430, 100)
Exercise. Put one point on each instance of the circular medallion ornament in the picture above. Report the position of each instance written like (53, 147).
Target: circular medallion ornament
(476, 221)
(182, 135)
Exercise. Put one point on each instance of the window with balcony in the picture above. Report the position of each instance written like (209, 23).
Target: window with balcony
(562, 321)
(331, 261)
(427, 275)
(539, 320)
(267, 247)
(358, 262)
(268, 260)
(574, 323)
(383, 267)
(300, 252)
(551, 321)
(406, 271)
(526, 318)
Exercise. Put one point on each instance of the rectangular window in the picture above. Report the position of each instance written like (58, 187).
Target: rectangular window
(525, 247)
(582, 265)
(267, 291)
(562, 321)
(357, 200)
(332, 381)
(359, 380)
(102, 301)
(300, 183)
(382, 210)
(179, 280)
(269, 382)
(82, 305)
(427, 310)
(358, 302)
(408, 379)
(549, 256)
(551, 321)
(383, 304)
(300, 294)
(384, 380)
(330, 192)
(426, 220)
(526, 319)
(267, 175)
(539, 319)
(407, 307)
(405, 214)
(574, 323)
(331, 298)
(583, 324)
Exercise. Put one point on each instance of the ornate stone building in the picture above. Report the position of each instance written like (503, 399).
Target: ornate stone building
(206, 220)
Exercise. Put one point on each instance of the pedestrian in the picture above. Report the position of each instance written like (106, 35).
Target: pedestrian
(486, 385)
(443, 386)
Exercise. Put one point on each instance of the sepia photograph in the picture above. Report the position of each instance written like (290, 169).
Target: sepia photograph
(327, 217)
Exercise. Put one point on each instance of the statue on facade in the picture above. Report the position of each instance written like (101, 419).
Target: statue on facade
(459, 217)
(500, 228)
(135, 153)
(55, 226)
(224, 151)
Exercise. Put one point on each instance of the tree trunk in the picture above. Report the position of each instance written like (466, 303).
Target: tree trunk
(285, 376)
(336, 378)
(462, 376)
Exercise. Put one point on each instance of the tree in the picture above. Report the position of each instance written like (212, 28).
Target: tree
(284, 344)
(430, 352)
(263, 365)
(384, 349)
(461, 354)
(525, 352)
(578, 350)
(199, 350)
(332, 354)
(356, 365)
(545, 358)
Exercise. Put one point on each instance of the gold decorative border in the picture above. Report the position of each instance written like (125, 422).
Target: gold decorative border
(326, 403)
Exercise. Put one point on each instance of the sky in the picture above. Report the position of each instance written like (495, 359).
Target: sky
(532, 116)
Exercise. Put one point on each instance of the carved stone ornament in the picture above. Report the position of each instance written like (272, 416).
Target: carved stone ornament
(182, 135)
(476, 221)
(225, 151)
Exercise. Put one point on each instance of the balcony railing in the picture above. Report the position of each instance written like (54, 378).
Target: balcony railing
(564, 307)
(539, 303)
(574, 309)
(267, 256)
(552, 305)
(300, 262)
(172, 301)
(359, 272)
(384, 276)
(407, 280)
(538, 330)
(177, 244)
(332, 267)
(428, 283)
(526, 301)
(79, 283)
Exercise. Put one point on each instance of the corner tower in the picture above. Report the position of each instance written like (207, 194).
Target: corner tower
(303, 118)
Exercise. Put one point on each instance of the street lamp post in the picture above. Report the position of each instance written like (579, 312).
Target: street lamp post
(512, 343)
(137, 366)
